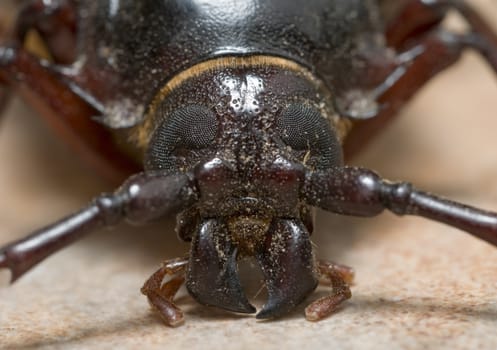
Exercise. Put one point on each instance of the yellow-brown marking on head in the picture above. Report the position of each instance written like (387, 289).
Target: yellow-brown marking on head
(141, 134)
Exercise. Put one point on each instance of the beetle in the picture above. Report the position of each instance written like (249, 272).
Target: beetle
(236, 116)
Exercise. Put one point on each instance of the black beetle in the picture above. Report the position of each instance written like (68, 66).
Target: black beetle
(235, 115)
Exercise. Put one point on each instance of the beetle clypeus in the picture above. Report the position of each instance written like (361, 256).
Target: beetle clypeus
(235, 116)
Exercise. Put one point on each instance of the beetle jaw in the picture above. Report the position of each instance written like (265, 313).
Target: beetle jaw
(284, 254)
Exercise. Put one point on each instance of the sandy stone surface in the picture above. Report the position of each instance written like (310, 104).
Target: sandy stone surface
(419, 284)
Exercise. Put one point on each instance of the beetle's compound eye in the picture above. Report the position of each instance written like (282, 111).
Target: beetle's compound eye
(303, 128)
(192, 127)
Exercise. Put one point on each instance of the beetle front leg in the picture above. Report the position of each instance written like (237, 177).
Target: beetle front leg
(426, 50)
(361, 192)
(67, 107)
(413, 69)
(160, 296)
(418, 17)
(339, 277)
(56, 23)
(142, 198)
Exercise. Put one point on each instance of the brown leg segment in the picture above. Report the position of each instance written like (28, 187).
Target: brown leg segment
(65, 106)
(160, 296)
(55, 21)
(415, 18)
(346, 272)
(417, 66)
(67, 109)
(419, 17)
(339, 277)
(431, 51)
(4, 98)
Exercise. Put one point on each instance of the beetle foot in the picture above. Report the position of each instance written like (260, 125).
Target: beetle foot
(339, 276)
(168, 311)
(325, 306)
(160, 295)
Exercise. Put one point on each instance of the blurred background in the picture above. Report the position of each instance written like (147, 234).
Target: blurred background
(419, 284)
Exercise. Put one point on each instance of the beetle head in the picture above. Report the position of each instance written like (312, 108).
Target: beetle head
(247, 134)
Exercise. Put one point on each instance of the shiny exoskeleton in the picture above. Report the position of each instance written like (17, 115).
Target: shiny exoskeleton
(235, 115)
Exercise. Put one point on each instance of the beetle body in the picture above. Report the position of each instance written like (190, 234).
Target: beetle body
(225, 82)
(237, 112)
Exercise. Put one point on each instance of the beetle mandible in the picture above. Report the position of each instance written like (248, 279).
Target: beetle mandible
(235, 116)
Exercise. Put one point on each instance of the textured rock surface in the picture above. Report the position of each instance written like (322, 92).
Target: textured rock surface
(419, 284)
